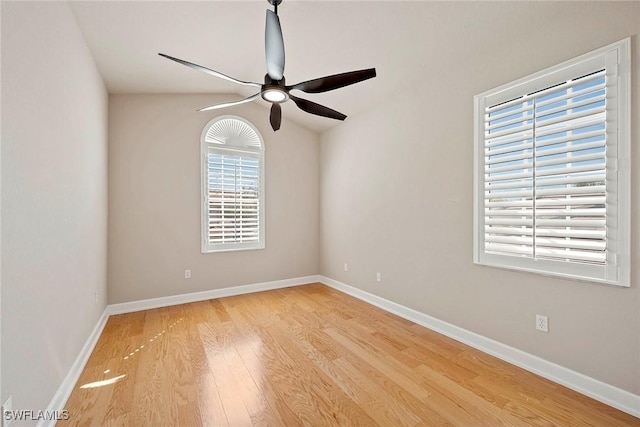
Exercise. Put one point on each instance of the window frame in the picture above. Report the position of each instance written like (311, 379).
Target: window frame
(223, 148)
(616, 270)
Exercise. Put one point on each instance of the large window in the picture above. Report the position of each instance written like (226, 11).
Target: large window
(232, 186)
(552, 170)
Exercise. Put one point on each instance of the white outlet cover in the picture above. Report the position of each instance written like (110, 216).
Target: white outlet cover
(542, 323)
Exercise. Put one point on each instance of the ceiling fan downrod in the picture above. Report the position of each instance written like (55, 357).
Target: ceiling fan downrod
(275, 4)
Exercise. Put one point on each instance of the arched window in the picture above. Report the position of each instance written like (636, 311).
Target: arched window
(232, 185)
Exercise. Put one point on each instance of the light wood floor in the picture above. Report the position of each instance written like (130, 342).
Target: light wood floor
(313, 356)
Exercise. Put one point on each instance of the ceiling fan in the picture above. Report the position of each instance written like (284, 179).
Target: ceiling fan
(274, 89)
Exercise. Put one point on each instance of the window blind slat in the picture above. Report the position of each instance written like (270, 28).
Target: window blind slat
(509, 249)
(520, 166)
(492, 186)
(494, 151)
(492, 123)
(508, 194)
(595, 223)
(573, 159)
(575, 138)
(509, 212)
(562, 170)
(509, 176)
(492, 142)
(594, 234)
(517, 231)
(508, 221)
(585, 122)
(592, 178)
(492, 159)
(575, 94)
(542, 114)
(571, 255)
(569, 148)
(511, 131)
(595, 189)
(510, 203)
(500, 114)
(571, 212)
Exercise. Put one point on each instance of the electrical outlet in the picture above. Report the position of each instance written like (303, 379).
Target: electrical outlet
(7, 407)
(346, 267)
(187, 274)
(97, 296)
(378, 277)
(542, 323)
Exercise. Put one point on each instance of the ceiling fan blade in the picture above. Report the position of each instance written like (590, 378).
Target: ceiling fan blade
(324, 84)
(230, 104)
(276, 116)
(209, 71)
(274, 46)
(317, 109)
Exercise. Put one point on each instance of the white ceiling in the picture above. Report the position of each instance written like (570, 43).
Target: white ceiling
(409, 43)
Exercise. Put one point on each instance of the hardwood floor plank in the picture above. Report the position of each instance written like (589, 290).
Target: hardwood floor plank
(336, 405)
(469, 403)
(386, 385)
(209, 401)
(381, 405)
(307, 356)
(217, 342)
(356, 391)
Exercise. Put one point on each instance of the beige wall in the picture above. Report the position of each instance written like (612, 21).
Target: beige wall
(154, 200)
(54, 198)
(397, 198)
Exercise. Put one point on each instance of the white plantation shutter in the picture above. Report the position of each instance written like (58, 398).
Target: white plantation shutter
(549, 193)
(232, 186)
(233, 198)
(545, 159)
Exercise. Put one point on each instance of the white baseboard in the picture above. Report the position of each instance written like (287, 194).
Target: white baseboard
(598, 390)
(129, 307)
(64, 391)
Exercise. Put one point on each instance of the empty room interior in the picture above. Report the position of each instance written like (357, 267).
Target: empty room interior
(432, 221)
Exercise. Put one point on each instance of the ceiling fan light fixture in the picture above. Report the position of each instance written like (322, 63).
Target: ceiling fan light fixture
(275, 95)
